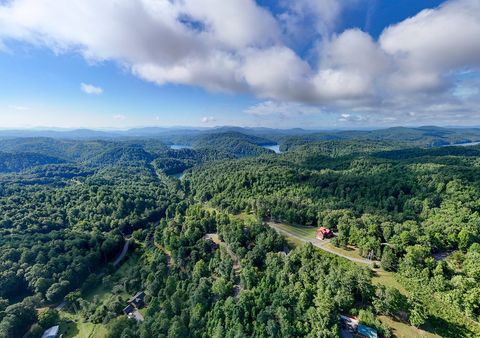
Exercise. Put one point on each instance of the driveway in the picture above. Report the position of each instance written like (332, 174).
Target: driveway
(122, 254)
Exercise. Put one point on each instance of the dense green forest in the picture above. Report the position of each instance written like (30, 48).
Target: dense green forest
(69, 206)
(405, 206)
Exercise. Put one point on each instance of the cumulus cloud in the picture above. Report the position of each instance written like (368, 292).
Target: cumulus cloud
(238, 46)
(434, 42)
(90, 89)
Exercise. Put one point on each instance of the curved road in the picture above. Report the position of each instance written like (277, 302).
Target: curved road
(318, 244)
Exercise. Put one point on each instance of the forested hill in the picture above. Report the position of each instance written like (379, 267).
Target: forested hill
(238, 144)
(414, 137)
(203, 253)
(19, 161)
(405, 206)
(426, 136)
(23, 153)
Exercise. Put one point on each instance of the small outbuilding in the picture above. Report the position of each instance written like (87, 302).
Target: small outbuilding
(51, 332)
(364, 331)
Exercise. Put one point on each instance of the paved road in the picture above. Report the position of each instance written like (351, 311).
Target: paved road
(318, 244)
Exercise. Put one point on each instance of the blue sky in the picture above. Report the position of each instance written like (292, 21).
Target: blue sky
(35, 78)
(308, 63)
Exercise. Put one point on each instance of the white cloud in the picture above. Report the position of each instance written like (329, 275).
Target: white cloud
(238, 46)
(208, 119)
(276, 72)
(119, 117)
(268, 108)
(19, 108)
(433, 43)
(351, 118)
(90, 89)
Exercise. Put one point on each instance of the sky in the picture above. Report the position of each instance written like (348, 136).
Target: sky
(314, 64)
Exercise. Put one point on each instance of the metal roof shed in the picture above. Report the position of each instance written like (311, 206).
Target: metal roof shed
(366, 332)
(51, 332)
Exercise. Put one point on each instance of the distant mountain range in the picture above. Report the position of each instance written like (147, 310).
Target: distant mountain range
(144, 132)
(419, 136)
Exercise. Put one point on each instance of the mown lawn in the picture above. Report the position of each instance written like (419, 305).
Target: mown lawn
(298, 230)
(349, 251)
(73, 326)
(293, 242)
(386, 278)
(402, 330)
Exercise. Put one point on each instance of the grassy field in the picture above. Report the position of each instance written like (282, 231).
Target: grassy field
(294, 242)
(73, 326)
(298, 230)
(402, 330)
(385, 278)
(349, 251)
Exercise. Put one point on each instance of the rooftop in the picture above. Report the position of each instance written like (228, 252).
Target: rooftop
(366, 331)
(51, 332)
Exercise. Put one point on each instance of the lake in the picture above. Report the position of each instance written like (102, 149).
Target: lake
(275, 148)
(178, 176)
(179, 146)
(467, 144)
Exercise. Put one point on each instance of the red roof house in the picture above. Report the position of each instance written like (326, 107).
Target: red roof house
(323, 233)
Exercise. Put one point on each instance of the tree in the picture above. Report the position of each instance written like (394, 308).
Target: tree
(122, 328)
(48, 318)
(389, 259)
(35, 331)
(388, 301)
(3, 304)
(57, 290)
(72, 300)
(417, 315)
(18, 318)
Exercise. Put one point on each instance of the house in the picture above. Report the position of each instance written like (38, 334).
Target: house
(348, 324)
(128, 309)
(364, 331)
(135, 303)
(323, 233)
(138, 301)
(51, 332)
